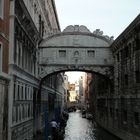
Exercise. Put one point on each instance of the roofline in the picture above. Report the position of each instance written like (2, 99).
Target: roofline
(128, 29)
(78, 33)
(56, 15)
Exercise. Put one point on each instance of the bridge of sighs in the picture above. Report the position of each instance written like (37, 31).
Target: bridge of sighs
(76, 49)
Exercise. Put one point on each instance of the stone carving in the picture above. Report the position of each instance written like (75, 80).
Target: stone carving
(76, 53)
(69, 28)
(98, 32)
(112, 38)
(84, 29)
(79, 44)
(77, 28)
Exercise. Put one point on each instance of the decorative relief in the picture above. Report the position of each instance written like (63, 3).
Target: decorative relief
(84, 29)
(76, 54)
(98, 32)
(76, 28)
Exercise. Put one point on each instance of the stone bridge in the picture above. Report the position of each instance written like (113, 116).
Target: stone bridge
(76, 49)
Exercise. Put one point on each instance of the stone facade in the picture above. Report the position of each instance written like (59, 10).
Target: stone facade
(29, 92)
(30, 22)
(118, 109)
(4, 78)
(126, 50)
(76, 48)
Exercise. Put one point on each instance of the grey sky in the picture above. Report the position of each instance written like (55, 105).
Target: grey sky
(110, 16)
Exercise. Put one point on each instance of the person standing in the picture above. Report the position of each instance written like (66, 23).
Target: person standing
(54, 129)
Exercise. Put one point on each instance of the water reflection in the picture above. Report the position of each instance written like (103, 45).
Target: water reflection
(79, 128)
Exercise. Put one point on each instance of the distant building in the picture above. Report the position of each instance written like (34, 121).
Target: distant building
(86, 80)
(71, 87)
(73, 95)
(81, 86)
(72, 92)
(66, 96)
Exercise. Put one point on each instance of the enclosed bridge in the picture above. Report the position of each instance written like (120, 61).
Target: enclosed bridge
(76, 48)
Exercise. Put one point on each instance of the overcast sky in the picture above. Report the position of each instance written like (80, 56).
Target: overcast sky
(110, 16)
(74, 76)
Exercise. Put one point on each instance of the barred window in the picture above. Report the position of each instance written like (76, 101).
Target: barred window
(137, 44)
(62, 53)
(136, 118)
(91, 53)
(118, 57)
(137, 75)
(124, 115)
(126, 79)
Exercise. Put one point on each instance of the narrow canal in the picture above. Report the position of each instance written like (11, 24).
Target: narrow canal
(79, 128)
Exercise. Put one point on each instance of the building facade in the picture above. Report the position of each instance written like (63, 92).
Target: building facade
(86, 89)
(4, 78)
(66, 83)
(30, 22)
(116, 101)
(126, 50)
(26, 99)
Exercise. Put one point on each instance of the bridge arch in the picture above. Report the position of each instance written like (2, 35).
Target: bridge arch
(76, 49)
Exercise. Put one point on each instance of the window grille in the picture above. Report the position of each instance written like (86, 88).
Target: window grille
(62, 53)
(91, 53)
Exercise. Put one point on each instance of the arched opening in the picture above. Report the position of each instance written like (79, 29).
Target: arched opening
(50, 101)
(74, 49)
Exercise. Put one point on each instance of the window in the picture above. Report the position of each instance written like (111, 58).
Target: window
(62, 53)
(126, 79)
(117, 113)
(137, 41)
(91, 53)
(18, 94)
(14, 96)
(0, 57)
(136, 117)
(126, 51)
(118, 58)
(124, 116)
(137, 74)
(111, 112)
(1, 8)
(40, 24)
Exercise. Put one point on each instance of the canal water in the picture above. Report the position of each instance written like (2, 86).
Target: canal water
(79, 128)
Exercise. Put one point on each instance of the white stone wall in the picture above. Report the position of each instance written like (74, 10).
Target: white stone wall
(101, 56)
(45, 9)
(23, 69)
(75, 48)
